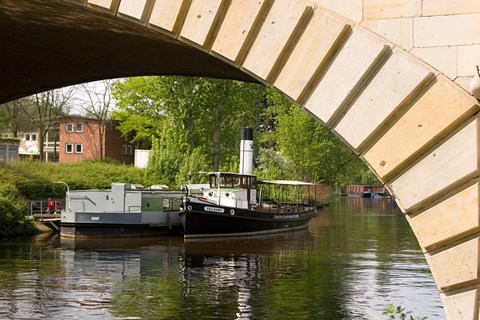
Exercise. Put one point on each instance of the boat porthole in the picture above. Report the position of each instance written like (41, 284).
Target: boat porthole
(232, 212)
(189, 208)
(227, 194)
(210, 194)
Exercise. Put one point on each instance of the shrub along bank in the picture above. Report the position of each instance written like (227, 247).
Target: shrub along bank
(24, 180)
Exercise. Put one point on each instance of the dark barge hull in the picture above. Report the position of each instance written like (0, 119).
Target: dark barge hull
(198, 223)
(83, 230)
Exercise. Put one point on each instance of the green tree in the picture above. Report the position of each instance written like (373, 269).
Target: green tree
(98, 104)
(193, 123)
(312, 151)
(13, 118)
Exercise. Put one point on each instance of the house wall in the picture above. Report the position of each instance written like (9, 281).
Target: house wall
(116, 147)
(89, 139)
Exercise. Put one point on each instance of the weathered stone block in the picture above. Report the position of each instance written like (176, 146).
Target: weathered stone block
(452, 161)
(273, 36)
(433, 112)
(446, 30)
(455, 217)
(442, 58)
(165, 13)
(352, 10)
(392, 85)
(399, 31)
(356, 59)
(383, 9)
(462, 305)
(455, 266)
(101, 3)
(468, 58)
(199, 20)
(449, 7)
(132, 8)
(310, 52)
(236, 26)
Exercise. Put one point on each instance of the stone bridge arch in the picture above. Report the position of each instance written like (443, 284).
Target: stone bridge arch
(415, 128)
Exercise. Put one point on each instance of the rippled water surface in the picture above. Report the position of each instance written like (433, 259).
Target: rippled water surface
(357, 257)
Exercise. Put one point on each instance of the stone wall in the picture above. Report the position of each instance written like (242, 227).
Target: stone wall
(443, 33)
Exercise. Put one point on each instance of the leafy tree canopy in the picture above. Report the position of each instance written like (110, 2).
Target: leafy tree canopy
(193, 125)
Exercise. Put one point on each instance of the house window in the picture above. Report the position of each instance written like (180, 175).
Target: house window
(127, 149)
(34, 137)
(78, 148)
(27, 137)
(68, 148)
(79, 127)
(69, 127)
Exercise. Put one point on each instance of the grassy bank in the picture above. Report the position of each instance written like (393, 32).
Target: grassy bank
(24, 180)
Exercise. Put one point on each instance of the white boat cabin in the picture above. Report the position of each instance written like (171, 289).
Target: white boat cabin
(231, 189)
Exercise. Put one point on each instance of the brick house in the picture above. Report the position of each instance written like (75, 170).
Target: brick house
(80, 140)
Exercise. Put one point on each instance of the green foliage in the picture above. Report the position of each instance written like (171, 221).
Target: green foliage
(193, 125)
(36, 179)
(311, 151)
(399, 313)
(3, 119)
(13, 209)
(271, 164)
(9, 140)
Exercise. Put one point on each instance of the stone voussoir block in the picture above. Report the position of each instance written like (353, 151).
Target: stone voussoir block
(435, 111)
(101, 3)
(454, 160)
(236, 27)
(132, 8)
(455, 217)
(310, 52)
(386, 92)
(457, 266)
(199, 20)
(273, 36)
(461, 305)
(358, 56)
(165, 14)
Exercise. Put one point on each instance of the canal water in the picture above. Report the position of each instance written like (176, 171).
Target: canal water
(357, 257)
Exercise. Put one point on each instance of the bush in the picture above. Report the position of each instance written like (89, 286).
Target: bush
(13, 209)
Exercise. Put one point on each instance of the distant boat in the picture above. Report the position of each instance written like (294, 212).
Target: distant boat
(236, 204)
(367, 191)
(123, 211)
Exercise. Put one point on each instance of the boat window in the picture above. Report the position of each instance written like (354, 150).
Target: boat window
(213, 181)
(236, 181)
(226, 182)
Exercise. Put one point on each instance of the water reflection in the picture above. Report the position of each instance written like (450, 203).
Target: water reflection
(356, 257)
(233, 277)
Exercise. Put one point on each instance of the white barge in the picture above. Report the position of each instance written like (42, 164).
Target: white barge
(122, 211)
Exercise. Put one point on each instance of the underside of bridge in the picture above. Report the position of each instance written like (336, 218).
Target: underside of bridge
(415, 128)
(50, 44)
